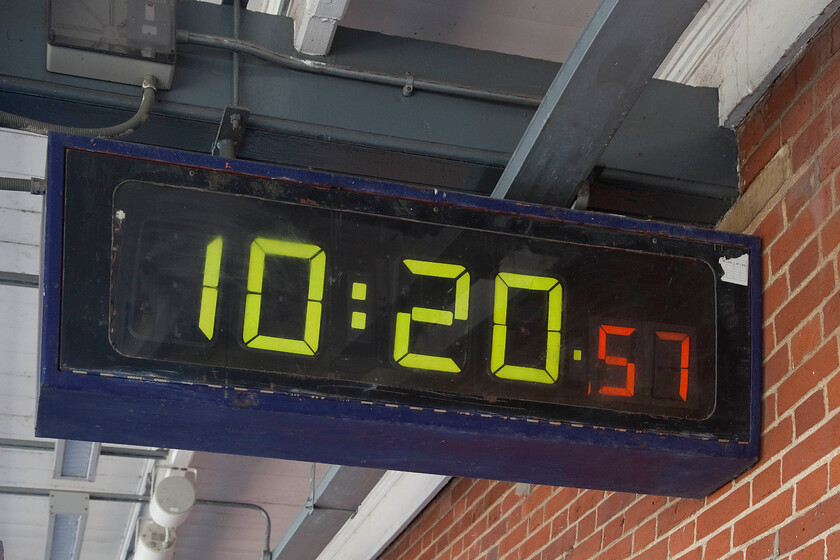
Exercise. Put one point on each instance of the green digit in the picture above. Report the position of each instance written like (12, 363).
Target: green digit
(260, 248)
(210, 290)
(434, 316)
(505, 281)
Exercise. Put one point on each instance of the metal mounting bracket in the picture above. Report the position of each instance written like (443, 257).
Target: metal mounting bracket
(231, 131)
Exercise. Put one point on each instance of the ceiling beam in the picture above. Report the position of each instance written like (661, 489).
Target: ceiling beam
(612, 62)
(315, 24)
(334, 501)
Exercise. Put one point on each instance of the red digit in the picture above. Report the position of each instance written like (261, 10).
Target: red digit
(630, 384)
(679, 337)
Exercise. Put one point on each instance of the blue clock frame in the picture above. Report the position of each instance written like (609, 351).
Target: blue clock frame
(123, 406)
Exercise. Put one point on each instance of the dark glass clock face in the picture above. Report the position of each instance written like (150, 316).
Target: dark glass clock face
(240, 282)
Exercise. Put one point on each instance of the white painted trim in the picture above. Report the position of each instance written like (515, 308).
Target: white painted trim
(315, 22)
(392, 504)
(714, 20)
(740, 47)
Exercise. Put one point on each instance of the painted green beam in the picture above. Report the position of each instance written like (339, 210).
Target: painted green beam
(606, 72)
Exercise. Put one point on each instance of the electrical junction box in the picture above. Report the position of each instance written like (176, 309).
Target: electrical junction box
(114, 40)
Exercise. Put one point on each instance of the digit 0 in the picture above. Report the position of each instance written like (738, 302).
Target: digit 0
(260, 249)
(434, 316)
(504, 282)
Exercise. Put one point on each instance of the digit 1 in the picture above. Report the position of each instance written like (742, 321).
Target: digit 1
(684, 347)
(630, 383)
(505, 281)
(210, 290)
(262, 247)
(434, 316)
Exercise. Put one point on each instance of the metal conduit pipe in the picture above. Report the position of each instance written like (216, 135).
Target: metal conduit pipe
(105, 450)
(408, 82)
(32, 186)
(273, 124)
(132, 499)
(121, 130)
(13, 184)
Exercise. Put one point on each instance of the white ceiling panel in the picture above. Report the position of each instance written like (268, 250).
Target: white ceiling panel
(536, 29)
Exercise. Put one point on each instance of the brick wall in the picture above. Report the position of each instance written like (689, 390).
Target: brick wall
(788, 506)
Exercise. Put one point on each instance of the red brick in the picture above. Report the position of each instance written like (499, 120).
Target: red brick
(585, 502)
(809, 413)
(560, 501)
(761, 156)
(768, 339)
(818, 52)
(774, 296)
(766, 482)
(771, 226)
(809, 298)
(750, 134)
(832, 389)
(777, 438)
(645, 507)
(719, 494)
(719, 545)
(560, 525)
(810, 139)
(537, 498)
(804, 264)
(811, 450)
(587, 549)
(829, 158)
(805, 340)
(831, 316)
(834, 472)
(693, 554)
(776, 367)
(723, 511)
(814, 551)
(736, 556)
(800, 229)
(811, 488)
(762, 519)
(675, 514)
(807, 376)
(656, 552)
(827, 82)
(621, 550)
(834, 31)
(806, 527)
(614, 504)
(644, 535)
(832, 545)
(780, 97)
(494, 535)
(681, 539)
(513, 539)
(768, 409)
(830, 234)
(586, 526)
(762, 549)
(535, 542)
(613, 530)
(561, 546)
(799, 114)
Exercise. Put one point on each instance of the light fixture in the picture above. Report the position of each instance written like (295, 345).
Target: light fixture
(66, 527)
(172, 500)
(76, 459)
(153, 542)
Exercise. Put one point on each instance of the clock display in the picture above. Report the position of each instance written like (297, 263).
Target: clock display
(337, 297)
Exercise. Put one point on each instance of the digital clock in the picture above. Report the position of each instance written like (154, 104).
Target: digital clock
(245, 308)
(235, 281)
